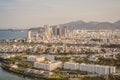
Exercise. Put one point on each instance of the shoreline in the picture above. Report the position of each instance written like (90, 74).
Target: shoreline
(29, 75)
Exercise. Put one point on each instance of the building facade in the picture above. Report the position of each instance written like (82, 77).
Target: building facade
(47, 65)
(71, 65)
(29, 36)
(99, 69)
(34, 58)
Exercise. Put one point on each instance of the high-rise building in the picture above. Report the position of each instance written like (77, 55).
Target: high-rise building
(65, 31)
(29, 37)
(57, 31)
(47, 31)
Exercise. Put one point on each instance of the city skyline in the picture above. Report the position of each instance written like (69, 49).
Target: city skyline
(34, 13)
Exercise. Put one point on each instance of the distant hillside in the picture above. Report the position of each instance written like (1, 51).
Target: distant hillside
(92, 25)
(36, 29)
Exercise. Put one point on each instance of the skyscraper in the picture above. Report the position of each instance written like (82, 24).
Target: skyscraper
(58, 31)
(47, 31)
(65, 31)
(29, 37)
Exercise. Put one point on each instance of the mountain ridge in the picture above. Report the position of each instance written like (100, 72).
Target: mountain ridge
(79, 24)
(92, 25)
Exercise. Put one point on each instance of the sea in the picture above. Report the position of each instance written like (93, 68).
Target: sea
(4, 75)
(9, 34)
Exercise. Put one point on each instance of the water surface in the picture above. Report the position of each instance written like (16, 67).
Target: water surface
(12, 34)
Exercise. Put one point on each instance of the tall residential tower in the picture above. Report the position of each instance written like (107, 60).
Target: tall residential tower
(29, 37)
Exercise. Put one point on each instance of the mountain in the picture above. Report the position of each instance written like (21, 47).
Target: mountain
(36, 29)
(92, 25)
(117, 24)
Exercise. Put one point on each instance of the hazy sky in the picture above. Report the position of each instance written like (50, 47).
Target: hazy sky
(34, 13)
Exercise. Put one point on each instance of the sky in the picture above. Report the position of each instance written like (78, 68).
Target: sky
(19, 14)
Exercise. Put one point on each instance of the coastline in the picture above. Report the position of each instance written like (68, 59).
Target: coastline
(26, 75)
(29, 75)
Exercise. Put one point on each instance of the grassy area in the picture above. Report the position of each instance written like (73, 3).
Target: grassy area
(93, 78)
(118, 69)
(58, 77)
(63, 59)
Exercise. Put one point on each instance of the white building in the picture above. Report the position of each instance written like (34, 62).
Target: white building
(47, 65)
(71, 65)
(14, 66)
(5, 56)
(47, 31)
(34, 58)
(29, 36)
(99, 69)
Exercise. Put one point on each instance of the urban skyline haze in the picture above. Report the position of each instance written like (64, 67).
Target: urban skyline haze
(34, 13)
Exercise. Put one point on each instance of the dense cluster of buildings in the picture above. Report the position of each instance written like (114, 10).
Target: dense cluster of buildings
(92, 68)
(59, 40)
(64, 39)
(41, 63)
(60, 34)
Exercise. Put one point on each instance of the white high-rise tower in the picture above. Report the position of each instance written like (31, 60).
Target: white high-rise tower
(29, 37)
(47, 31)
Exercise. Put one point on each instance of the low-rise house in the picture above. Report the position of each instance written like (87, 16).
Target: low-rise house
(34, 58)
